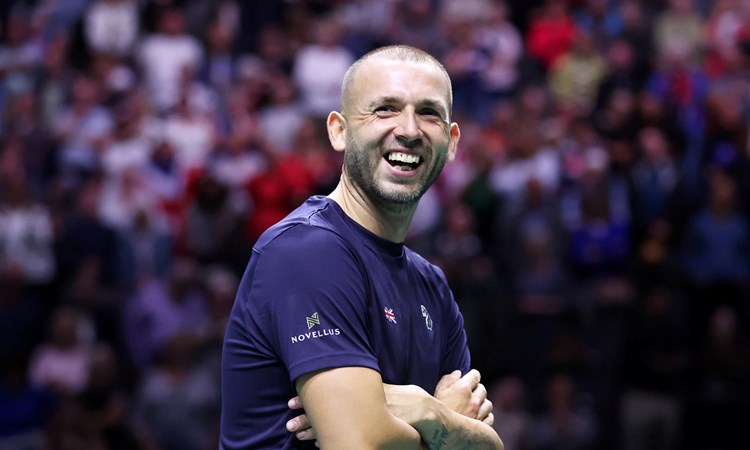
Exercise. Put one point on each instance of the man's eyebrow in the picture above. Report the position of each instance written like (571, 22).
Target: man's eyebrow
(434, 104)
(430, 103)
(384, 101)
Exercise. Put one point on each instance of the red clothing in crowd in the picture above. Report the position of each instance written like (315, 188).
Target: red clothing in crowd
(549, 38)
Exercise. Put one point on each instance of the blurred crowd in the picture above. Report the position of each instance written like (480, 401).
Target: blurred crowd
(595, 226)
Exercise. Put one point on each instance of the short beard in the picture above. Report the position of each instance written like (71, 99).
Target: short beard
(362, 175)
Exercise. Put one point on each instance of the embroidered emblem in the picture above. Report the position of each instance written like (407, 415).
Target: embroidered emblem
(312, 321)
(427, 318)
(389, 314)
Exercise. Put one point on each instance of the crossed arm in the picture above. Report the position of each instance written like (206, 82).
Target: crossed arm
(350, 407)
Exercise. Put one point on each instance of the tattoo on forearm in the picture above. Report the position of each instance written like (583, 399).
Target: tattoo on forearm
(437, 441)
(459, 440)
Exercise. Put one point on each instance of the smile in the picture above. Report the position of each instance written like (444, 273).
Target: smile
(403, 161)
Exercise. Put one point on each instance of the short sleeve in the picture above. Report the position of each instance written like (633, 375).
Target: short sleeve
(313, 291)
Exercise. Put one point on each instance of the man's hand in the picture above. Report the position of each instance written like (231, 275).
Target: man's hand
(300, 425)
(465, 395)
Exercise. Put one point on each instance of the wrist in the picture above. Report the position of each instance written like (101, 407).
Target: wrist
(431, 418)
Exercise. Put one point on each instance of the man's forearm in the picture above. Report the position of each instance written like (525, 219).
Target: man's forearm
(448, 430)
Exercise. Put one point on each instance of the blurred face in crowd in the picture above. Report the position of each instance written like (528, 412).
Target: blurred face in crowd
(84, 90)
(681, 6)
(172, 22)
(395, 130)
(64, 329)
(620, 55)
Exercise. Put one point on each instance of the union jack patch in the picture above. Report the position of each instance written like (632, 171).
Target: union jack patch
(389, 314)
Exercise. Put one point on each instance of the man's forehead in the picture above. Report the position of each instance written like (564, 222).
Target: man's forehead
(385, 73)
(383, 64)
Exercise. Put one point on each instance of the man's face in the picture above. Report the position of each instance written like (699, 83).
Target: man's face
(398, 134)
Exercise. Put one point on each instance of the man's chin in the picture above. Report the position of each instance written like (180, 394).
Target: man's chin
(400, 195)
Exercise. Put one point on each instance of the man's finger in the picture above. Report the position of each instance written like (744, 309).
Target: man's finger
(306, 435)
(448, 380)
(299, 423)
(472, 378)
(479, 392)
(489, 420)
(295, 403)
(485, 410)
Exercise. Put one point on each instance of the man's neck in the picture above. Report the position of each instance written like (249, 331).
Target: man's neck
(389, 225)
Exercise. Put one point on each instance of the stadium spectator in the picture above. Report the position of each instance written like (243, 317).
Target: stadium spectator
(164, 55)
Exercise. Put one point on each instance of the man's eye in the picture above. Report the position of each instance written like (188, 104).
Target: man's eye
(430, 112)
(385, 109)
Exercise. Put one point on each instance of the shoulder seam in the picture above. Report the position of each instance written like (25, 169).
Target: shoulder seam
(308, 223)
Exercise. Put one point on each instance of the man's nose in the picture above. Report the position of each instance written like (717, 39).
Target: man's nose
(408, 131)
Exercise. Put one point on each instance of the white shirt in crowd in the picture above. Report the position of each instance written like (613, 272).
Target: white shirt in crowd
(163, 60)
(319, 71)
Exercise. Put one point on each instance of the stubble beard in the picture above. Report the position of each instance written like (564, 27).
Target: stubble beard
(362, 169)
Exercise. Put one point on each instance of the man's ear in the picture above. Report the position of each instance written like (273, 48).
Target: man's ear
(455, 135)
(336, 125)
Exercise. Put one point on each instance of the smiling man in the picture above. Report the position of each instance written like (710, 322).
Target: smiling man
(334, 308)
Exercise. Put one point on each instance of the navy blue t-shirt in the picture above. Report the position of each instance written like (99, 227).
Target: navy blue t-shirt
(321, 291)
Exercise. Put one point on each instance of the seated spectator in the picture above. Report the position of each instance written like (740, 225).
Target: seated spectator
(319, 68)
(280, 120)
(638, 32)
(309, 169)
(621, 72)
(19, 54)
(105, 400)
(600, 18)
(567, 421)
(111, 26)
(213, 225)
(98, 306)
(83, 236)
(679, 28)
(237, 164)
(190, 130)
(162, 309)
(716, 247)
(682, 87)
(415, 25)
(654, 176)
(512, 419)
(29, 143)
(465, 60)
(551, 33)
(656, 363)
(721, 393)
(528, 159)
(177, 403)
(715, 254)
(26, 239)
(163, 56)
(129, 144)
(218, 69)
(576, 75)
(168, 182)
(81, 130)
(502, 41)
(598, 221)
(723, 30)
(61, 363)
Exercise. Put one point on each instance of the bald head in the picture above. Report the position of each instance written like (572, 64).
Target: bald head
(397, 53)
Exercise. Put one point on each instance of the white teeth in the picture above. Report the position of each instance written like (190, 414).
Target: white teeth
(403, 157)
